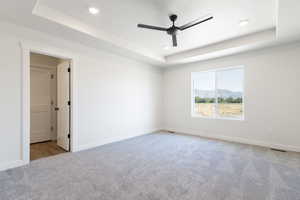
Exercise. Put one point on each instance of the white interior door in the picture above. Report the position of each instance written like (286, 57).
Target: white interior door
(40, 105)
(63, 93)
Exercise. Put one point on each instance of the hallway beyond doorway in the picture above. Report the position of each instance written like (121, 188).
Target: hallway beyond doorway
(44, 149)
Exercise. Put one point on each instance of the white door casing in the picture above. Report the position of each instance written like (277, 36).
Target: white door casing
(27, 48)
(63, 96)
(40, 103)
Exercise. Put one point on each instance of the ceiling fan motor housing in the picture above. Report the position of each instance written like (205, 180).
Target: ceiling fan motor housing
(173, 30)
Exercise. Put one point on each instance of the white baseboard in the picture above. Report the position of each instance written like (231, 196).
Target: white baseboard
(110, 140)
(238, 140)
(285, 147)
(12, 164)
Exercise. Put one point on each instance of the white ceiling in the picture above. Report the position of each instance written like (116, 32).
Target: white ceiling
(119, 19)
(114, 28)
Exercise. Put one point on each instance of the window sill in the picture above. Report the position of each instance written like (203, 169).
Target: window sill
(218, 118)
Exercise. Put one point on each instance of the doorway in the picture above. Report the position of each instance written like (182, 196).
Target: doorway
(50, 106)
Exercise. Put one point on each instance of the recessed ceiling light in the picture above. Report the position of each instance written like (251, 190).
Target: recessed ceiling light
(93, 10)
(166, 48)
(244, 22)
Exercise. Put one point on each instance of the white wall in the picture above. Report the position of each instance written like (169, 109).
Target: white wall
(272, 93)
(10, 102)
(116, 98)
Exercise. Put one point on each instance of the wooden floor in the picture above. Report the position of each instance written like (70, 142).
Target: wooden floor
(44, 149)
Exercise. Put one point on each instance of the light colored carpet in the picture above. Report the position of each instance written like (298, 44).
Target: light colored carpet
(159, 167)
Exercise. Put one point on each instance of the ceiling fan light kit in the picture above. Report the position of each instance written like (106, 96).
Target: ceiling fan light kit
(173, 30)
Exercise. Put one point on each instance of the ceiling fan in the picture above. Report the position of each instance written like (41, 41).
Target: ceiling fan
(173, 30)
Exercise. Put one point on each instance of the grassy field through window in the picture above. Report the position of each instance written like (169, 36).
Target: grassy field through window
(219, 93)
(230, 110)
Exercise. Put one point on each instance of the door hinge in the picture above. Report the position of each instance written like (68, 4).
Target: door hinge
(69, 135)
(52, 128)
(69, 103)
(69, 69)
(52, 76)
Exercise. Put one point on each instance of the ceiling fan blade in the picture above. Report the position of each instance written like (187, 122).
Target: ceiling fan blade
(152, 27)
(174, 38)
(195, 22)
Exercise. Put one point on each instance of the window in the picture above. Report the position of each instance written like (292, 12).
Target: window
(218, 93)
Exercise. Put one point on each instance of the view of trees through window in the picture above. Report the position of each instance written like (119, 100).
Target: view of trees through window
(219, 93)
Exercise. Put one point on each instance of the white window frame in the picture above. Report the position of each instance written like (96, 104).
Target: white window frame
(215, 116)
